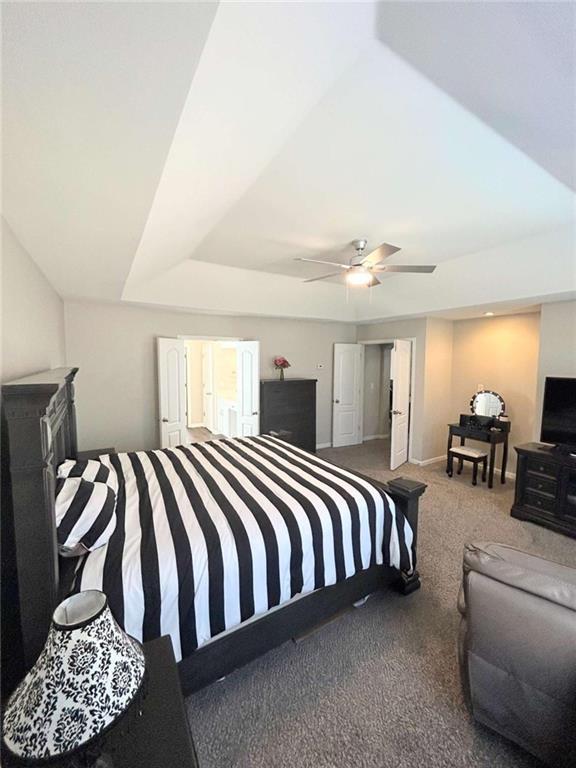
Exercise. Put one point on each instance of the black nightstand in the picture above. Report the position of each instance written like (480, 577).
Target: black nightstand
(160, 738)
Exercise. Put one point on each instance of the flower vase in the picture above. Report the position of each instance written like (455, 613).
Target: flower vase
(281, 374)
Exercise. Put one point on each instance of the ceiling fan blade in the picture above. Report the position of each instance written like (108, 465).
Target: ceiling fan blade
(320, 261)
(322, 277)
(415, 268)
(374, 282)
(380, 253)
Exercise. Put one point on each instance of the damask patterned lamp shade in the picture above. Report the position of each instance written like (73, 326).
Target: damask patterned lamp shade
(85, 679)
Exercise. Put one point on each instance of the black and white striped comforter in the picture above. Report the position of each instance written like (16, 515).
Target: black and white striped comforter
(212, 534)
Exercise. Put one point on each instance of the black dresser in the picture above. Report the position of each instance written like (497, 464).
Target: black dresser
(289, 407)
(546, 488)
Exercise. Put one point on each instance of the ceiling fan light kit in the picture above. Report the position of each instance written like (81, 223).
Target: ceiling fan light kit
(359, 276)
(360, 271)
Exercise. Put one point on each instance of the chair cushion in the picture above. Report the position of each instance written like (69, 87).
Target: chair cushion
(468, 453)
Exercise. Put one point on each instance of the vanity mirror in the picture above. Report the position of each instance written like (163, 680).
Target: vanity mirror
(487, 403)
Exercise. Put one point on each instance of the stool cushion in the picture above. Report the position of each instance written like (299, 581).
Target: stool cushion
(468, 453)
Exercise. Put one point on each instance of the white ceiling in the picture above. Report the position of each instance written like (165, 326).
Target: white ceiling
(511, 64)
(183, 154)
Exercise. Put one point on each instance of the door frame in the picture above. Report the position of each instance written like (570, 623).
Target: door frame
(412, 383)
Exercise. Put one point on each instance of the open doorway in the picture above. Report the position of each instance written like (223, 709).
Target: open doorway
(372, 397)
(377, 393)
(207, 388)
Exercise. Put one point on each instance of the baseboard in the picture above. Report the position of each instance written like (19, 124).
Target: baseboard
(426, 462)
(374, 437)
(319, 446)
(195, 426)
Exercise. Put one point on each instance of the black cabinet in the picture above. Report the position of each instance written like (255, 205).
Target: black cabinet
(160, 737)
(289, 406)
(546, 488)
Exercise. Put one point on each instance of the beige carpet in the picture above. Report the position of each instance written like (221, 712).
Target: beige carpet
(379, 688)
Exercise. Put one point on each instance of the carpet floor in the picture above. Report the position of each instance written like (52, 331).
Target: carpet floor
(378, 687)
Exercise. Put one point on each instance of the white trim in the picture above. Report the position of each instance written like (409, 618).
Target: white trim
(375, 437)
(319, 446)
(197, 426)
(426, 462)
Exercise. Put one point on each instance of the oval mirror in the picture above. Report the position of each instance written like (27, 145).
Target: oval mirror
(487, 403)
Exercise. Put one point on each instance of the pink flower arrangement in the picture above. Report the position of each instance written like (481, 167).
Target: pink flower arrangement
(281, 362)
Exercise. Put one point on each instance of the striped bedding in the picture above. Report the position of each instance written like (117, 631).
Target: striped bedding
(212, 534)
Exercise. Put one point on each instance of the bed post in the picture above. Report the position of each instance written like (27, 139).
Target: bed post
(41, 431)
(406, 494)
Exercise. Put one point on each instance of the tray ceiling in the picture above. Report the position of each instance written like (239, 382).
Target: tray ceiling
(184, 154)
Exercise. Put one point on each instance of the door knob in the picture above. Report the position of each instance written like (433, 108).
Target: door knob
(397, 413)
(337, 401)
(165, 421)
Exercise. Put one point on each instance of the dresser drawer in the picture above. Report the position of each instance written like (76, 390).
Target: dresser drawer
(539, 501)
(540, 483)
(543, 467)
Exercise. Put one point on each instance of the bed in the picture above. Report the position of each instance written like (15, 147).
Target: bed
(230, 547)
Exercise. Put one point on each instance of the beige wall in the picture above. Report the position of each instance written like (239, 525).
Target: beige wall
(114, 346)
(500, 353)
(437, 386)
(225, 372)
(557, 348)
(32, 314)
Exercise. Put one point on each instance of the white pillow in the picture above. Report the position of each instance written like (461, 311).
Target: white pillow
(91, 469)
(85, 515)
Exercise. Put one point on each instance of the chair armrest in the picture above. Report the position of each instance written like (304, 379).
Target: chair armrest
(532, 574)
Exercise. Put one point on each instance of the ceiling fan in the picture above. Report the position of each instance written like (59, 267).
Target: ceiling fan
(364, 267)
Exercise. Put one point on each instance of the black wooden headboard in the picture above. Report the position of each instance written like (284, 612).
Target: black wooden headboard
(40, 423)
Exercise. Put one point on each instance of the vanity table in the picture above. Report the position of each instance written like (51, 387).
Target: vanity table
(485, 424)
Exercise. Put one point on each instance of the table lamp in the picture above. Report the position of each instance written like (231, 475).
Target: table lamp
(89, 675)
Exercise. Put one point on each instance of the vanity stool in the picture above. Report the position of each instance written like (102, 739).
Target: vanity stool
(463, 453)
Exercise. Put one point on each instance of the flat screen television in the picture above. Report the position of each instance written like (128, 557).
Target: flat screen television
(559, 412)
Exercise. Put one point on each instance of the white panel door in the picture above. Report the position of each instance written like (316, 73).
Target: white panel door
(248, 405)
(172, 392)
(400, 360)
(348, 385)
(208, 415)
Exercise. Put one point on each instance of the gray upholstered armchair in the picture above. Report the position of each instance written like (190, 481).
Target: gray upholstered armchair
(517, 648)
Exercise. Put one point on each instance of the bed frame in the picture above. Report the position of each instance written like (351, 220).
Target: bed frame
(39, 425)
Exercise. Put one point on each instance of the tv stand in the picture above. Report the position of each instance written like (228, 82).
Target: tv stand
(546, 487)
(564, 450)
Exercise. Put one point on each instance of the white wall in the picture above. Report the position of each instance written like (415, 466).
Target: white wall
(114, 347)
(557, 348)
(32, 314)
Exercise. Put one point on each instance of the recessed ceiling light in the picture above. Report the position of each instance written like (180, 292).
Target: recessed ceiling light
(488, 314)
